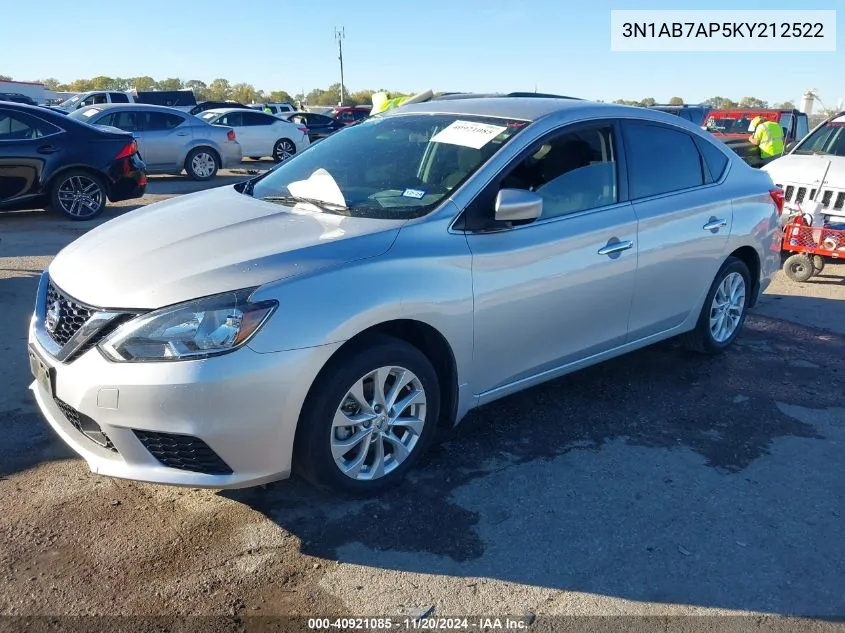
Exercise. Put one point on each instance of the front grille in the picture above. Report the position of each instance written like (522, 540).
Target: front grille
(802, 191)
(184, 452)
(72, 315)
(85, 425)
(826, 198)
(789, 191)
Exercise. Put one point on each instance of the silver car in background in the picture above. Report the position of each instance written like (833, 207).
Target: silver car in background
(328, 315)
(169, 140)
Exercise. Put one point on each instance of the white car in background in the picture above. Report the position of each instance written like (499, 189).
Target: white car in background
(260, 134)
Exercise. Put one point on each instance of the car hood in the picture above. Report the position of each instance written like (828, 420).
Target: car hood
(209, 242)
(808, 169)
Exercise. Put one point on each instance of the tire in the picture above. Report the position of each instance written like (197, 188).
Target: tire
(818, 264)
(703, 339)
(284, 149)
(202, 163)
(78, 195)
(318, 455)
(798, 267)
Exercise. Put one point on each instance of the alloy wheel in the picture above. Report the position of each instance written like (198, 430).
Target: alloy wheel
(727, 307)
(284, 149)
(378, 423)
(203, 165)
(80, 196)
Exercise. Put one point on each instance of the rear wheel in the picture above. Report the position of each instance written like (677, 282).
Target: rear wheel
(283, 150)
(724, 310)
(78, 195)
(201, 164)
(798, 267)
(369, 418)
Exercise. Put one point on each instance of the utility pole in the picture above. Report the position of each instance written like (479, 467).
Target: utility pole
(340, 36)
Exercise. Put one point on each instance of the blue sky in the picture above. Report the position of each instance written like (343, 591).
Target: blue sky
(462, 45)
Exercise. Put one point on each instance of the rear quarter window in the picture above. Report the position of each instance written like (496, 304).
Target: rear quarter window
(715, 160)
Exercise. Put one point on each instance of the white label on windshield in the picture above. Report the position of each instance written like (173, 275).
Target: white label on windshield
(468, 134)
(90, 112)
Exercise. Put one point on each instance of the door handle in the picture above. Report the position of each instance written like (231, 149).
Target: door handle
(714, 224)
(47, 149)
(611, 248)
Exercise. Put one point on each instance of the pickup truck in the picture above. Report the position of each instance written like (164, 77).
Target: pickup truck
(180, 99)
(731, 127)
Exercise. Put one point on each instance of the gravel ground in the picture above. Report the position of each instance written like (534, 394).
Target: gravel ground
(660, 483)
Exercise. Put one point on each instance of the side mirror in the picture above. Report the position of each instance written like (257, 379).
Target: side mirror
(518, 205)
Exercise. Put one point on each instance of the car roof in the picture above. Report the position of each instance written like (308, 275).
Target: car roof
(225, 111)
(138, 106)
(525, 108)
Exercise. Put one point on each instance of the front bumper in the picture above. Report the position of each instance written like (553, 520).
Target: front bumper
(244, 406)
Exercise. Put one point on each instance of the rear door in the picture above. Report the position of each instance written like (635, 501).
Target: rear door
(262, 133)
(27, 146)
(165, 138)
(684, 222)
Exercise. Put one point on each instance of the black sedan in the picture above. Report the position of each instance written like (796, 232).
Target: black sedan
(319, 125)
(54, 161)
(213, 105)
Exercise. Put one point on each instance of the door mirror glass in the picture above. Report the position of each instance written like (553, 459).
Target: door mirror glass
(518, 205)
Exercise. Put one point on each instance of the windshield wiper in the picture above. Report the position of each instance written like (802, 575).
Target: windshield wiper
(323, 205)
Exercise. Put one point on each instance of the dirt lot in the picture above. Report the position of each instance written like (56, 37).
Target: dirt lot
(659, 483)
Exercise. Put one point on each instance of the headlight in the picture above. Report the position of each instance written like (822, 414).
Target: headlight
(196, 329)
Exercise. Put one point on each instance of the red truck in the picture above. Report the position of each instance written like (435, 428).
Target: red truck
(731, 127)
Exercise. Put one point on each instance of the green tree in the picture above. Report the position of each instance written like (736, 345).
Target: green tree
(219, 90)
(173, 83)
(80, 85)
(102, 83)
(720, 103)
(280, 96)
(648, 101)
(51, 83)
(676, 101)
(786, 105)
(5, 78)
(752, 102)
(244, 93)
(361, 97)
(143, 83)
(199, 87)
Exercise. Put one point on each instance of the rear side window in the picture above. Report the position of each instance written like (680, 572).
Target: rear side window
(714, 159)
(161, 121)
(661, 160)
(17, 126)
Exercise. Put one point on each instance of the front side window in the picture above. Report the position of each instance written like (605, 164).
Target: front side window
(233, 119)
(119, 97)
(828, 139)
(572, 172)
(660, 160)
(398, 166)
(803, 127)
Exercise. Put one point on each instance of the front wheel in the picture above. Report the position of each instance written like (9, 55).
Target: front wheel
(283, 150)
(201, 164)
(369, 418)
(724, 309)
(78, 195)
(818, 264)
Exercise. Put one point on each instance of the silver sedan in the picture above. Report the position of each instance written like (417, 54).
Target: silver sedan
(169, 140)
(329, 315)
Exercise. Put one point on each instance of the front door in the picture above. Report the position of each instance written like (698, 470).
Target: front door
(164, 139)
(558, 289)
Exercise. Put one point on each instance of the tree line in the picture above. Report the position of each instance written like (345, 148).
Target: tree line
(720, 103)
(218, 90)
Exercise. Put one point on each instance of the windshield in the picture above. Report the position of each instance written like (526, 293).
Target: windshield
(208, 115)
(83, 114)
(397, 166)
(828, 139)
(724, 125)
(69, 104)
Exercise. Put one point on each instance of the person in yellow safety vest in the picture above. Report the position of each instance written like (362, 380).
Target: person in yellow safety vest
(768, 136)
(382, 104)
(268, 110)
